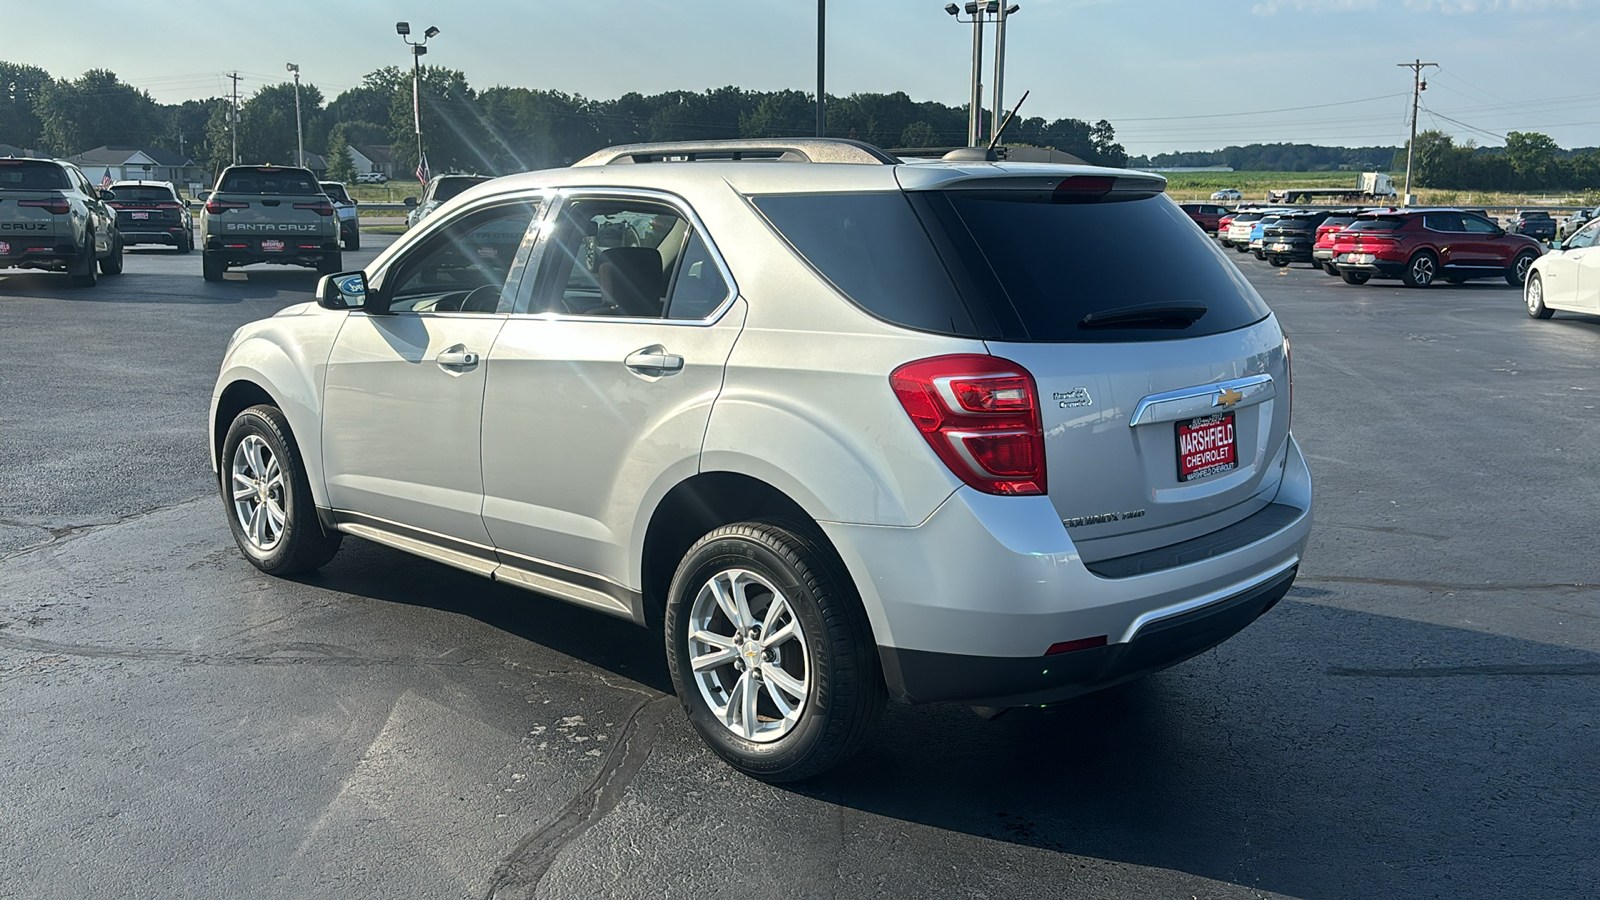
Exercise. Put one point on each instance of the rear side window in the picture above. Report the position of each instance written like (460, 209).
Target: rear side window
(268, 180)
(336, 192)
(27, 175)
(448, 188)
(1066, 272)
(873, 248)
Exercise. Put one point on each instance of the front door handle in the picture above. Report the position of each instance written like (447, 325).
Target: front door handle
(457, 357)
(653, 361)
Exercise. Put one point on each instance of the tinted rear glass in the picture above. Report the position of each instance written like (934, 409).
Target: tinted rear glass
(142, 194)
(337, 192)
(268, 180)
(450, 187)
(1535, 215)
(1338, 220)
(872, 247)
(31, 176)
(1387, 224)
(1044, 266)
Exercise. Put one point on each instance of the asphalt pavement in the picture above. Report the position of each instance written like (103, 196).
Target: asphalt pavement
(1417, 718)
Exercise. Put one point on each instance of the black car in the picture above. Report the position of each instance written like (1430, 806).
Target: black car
(151, 212)
(1535, 223)
(1291, 238)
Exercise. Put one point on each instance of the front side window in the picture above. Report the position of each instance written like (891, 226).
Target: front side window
(1585, 238)
(1476, 225)
(627, 258)
(1446, 222)
(466, 265)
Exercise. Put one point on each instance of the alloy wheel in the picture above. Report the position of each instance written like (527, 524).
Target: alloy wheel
(258, 490)
(1535, 296)
(749, 655)
(1523, 264)
(1422, 270)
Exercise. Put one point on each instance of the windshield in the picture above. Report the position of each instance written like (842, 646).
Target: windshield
(448, 188)
(268, 180)
(30, 175)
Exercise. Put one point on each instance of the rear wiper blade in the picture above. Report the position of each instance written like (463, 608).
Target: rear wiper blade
(1148, 315)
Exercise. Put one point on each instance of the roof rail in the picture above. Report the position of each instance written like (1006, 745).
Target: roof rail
(818, 150)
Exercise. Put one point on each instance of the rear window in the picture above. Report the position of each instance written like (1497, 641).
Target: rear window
(1387, 223)
(449, 188)
(337, 192)
(31, 176)
(1537, 214)
(1340, 221)
(268, 180)
(1016, 266)
(130, 193)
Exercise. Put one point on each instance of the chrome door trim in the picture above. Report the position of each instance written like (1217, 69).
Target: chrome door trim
(1178, 609)
(1190, 403)
(475, 558)
(557, 203)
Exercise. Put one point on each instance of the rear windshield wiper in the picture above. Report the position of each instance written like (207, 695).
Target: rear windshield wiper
(1149, 315)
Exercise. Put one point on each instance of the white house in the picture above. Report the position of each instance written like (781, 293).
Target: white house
(138, 164)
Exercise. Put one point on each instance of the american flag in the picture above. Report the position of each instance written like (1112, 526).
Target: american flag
(422, 169)
(105, 180)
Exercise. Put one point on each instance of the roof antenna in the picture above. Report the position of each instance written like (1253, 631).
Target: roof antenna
(995, 141)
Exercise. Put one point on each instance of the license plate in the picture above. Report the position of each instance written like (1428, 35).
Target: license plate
(5, 248)
(1280, 246)
(140, 215)
(1206, 446)
(1359, 259)
(272, 246)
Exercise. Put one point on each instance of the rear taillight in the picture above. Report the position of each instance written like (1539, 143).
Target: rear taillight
(321, 208)
(1288, 371)
(217, 206)
(980, 414)
(167, 206)
(57, 205)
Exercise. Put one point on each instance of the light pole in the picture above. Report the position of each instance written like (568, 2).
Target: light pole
(299, 137)
(1001, 14)
(978, 11)
(418, 48)
(822, 32)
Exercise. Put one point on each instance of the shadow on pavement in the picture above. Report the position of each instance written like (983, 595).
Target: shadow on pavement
(155, 288)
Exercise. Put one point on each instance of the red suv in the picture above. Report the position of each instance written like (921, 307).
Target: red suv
(1205, 215)
(1420, 246)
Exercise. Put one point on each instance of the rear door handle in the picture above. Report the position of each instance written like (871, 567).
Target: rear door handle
(457, 358)
(653, 360)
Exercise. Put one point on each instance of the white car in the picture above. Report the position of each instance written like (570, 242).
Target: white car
(840, 429)
(1568, 277)
(1227, 194)
(371, 178)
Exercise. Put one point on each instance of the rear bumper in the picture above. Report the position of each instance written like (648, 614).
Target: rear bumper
(172, 236)
(1382, 268)
(296, 252)
(1297, 251)
(1322, 255)
(48, 253)
(966, 605)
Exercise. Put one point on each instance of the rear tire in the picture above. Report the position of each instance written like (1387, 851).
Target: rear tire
(1242, 248)
(1329, 268)
(1258, 254)
(112, 264)
(1420, 270)
(1455, 279)
(1279, 262)
(1534, 294)
(826, 652)
(353, 242)
(185, 243)
(83, 270)
(1517, 272)
(268, 498)
(1355, 277)
(211, 267)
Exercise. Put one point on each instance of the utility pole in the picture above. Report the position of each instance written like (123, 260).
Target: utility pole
(299, 138)
(822, 19)
(1417, 87)
(1001, 13)
(233, 117)
(975, 106)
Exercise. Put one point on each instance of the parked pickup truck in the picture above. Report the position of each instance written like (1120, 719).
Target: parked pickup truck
(1371, 186)
(269, 214)
(52, 219)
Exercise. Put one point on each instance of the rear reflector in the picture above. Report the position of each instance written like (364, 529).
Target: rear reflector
(1080, 644)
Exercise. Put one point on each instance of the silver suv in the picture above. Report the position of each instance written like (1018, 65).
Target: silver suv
(845, 428)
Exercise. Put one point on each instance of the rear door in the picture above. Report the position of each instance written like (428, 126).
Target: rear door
(598, 397)
(403, 403)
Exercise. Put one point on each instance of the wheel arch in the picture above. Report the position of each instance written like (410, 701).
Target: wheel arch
(260, 370)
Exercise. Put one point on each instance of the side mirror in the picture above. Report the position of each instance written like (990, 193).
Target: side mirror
(106, 194)
(410, 202)
(343, 291)
(203, 196)
(1557, 244)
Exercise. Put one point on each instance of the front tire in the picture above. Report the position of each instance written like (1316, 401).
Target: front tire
(1517, 272)
(1535, 298)
(1421, 270)
(770, 651)
(268, 498)
(1355, 277)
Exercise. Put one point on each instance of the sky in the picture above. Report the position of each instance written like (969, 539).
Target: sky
(1168, 74)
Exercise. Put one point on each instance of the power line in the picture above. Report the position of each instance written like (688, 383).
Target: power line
(1260, 112)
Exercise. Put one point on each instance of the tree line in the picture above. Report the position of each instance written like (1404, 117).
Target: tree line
(1528, 162)
(1282, 158)
(494, 130)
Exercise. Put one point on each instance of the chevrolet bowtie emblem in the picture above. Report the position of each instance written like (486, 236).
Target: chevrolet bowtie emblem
(1227, 397)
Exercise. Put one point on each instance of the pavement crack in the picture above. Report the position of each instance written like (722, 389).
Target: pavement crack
(1575, 587)
(519, 874)
(61, 533)
(280, 655)
(1557, 670)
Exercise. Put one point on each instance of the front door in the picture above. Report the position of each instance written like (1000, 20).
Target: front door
(598, 400)
(404, 395)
